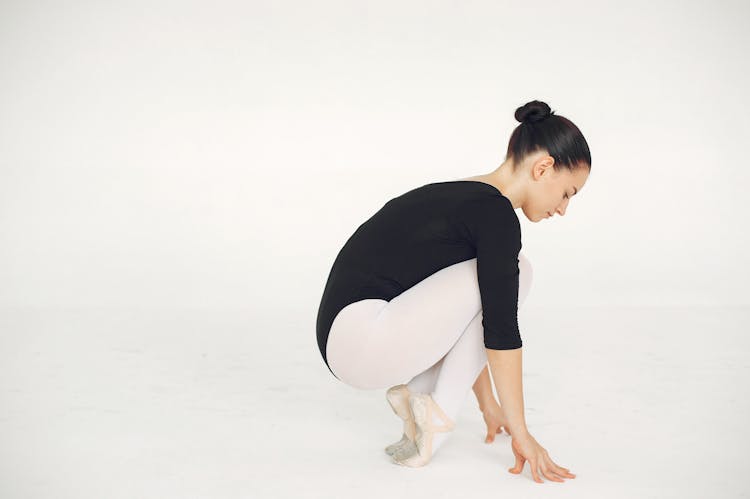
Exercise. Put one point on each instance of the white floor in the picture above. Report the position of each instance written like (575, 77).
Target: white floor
(638, 402)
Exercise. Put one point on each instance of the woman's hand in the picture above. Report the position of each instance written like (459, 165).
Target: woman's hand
(526, 448)
(494, 418)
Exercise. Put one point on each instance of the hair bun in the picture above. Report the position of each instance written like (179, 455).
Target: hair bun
(533, 111)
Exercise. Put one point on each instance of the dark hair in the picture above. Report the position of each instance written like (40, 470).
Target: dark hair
(542, 129)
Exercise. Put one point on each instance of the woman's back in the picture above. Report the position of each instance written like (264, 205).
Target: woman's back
(425, 230)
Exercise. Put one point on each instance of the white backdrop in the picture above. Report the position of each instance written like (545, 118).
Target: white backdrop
(175, 154)
(211, 158)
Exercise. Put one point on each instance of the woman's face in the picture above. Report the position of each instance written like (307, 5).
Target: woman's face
(550, 190)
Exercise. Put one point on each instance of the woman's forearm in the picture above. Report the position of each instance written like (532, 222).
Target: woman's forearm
(483, 389)
(507, 370)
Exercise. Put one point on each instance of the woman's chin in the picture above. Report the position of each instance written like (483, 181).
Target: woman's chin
(535, 219)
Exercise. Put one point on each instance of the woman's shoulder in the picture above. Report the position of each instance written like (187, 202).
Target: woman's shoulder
(485, 195)
(488, 208)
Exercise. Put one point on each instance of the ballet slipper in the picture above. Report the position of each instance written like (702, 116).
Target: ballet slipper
(405, 451)
(398, 398)
(424, 407)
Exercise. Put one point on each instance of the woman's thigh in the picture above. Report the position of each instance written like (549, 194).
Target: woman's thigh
(376, 344)
(345, 348)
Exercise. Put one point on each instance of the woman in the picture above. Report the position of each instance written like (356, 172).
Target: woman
(427, 290)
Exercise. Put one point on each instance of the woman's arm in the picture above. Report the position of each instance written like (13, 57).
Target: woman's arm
(483, 389)
(493, 414)
(507, 371)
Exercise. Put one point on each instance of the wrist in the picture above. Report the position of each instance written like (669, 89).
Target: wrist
(486, 403)
(521, 433)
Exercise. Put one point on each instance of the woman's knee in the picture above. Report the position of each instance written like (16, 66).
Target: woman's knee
(524, 267)
(525, 277)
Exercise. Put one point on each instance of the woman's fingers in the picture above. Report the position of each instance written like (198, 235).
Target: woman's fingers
(540, 463)
(491, 434)
(518, 467)
(564, 472)
(534, 472)
(558, 470)
(547, 471)
(546, 467)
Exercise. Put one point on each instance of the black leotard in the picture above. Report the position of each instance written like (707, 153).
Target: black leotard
(422, 231)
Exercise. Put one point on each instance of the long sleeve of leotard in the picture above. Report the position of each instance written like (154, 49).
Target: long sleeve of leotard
(495, 230)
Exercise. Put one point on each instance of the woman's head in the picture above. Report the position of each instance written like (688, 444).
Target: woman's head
(553, 157)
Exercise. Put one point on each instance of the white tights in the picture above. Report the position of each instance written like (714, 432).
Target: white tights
(431, 334)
